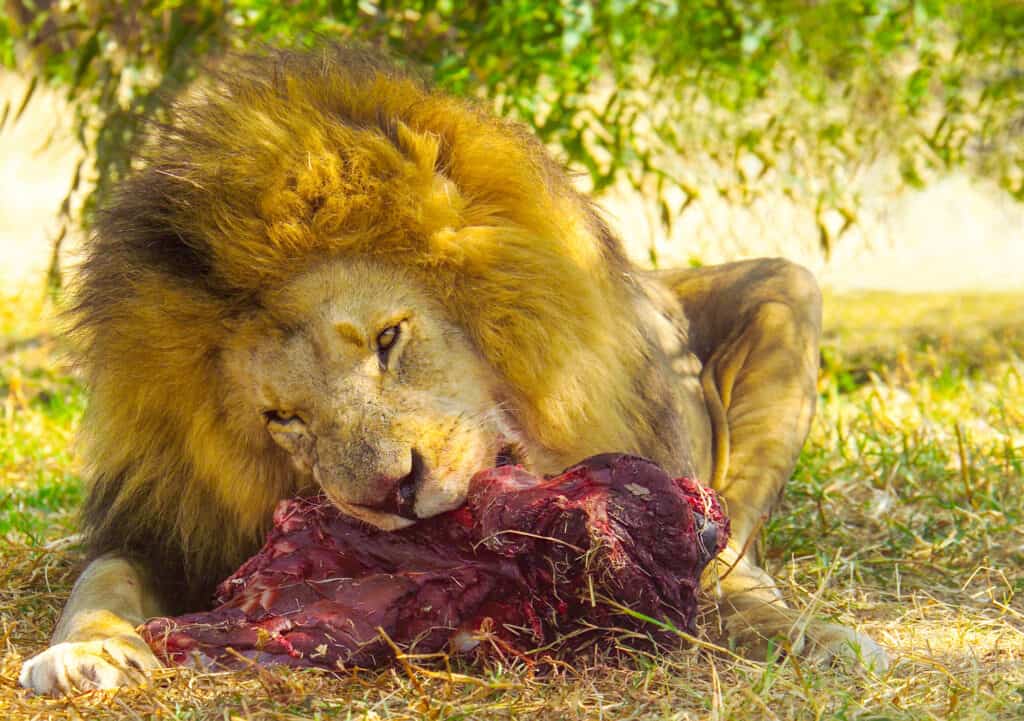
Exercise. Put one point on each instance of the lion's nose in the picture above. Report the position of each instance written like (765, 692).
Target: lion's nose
(400, 497)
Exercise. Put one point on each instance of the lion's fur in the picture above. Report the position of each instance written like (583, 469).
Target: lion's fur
(278, 162)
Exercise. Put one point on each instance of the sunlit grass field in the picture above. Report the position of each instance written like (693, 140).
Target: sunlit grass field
(905, 518)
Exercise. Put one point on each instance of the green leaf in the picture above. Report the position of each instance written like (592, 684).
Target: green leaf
(89, 52)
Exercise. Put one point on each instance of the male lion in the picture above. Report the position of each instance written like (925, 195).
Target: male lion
(327, 275)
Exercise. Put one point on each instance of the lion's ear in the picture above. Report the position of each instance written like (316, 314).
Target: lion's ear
(441, 201)
(422, 148)
(446, 248)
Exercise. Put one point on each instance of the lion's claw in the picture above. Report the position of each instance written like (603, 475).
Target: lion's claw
(88, 665)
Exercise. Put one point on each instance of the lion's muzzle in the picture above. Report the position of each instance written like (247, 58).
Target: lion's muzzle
(400, 493)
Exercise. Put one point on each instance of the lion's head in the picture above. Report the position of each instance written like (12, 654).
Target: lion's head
(323, 272)
(359, 376)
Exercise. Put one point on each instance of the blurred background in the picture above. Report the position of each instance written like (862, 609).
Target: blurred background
(880, 142)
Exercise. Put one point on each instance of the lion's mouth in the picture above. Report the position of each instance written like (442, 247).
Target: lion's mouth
(402, 502)
(509, 454)
(398, 509)
(505, 457)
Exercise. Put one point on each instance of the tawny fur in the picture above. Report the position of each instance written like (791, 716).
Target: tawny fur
(281, 163)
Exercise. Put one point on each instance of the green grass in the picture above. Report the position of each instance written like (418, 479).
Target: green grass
(905, 518)
(39, 407)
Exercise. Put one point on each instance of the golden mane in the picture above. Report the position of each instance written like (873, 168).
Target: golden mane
(279, 161)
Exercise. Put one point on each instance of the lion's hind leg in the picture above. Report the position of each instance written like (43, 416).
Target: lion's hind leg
(757, 621)
(756, 327)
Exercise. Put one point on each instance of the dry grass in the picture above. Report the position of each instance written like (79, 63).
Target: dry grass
(904, 518)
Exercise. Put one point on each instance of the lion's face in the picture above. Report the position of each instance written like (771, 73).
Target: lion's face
(325, 273)
(356, 375)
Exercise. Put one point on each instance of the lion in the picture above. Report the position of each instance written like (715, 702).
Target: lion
(326, 275)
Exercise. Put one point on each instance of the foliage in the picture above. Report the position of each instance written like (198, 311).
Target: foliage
(793, 94)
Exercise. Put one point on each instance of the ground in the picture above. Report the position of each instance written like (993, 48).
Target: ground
(905, 517)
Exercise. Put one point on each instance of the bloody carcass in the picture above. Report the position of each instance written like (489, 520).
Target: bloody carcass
(527, 563)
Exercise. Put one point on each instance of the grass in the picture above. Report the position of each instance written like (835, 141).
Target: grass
(905, 518)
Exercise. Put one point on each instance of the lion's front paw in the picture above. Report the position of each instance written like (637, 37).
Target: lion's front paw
(87, 665)
(758, 630)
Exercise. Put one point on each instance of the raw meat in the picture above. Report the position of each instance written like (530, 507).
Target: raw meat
(526, 562)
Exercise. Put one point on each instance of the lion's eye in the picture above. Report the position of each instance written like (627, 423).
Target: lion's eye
(386, 340)
(282, 417)
(388, 337)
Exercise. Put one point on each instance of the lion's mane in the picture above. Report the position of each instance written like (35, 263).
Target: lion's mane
(283, 159)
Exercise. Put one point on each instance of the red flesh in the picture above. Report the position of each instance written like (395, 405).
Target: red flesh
(522, 560)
